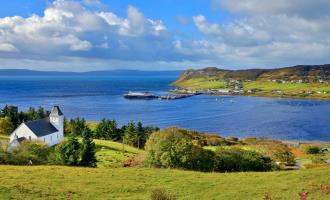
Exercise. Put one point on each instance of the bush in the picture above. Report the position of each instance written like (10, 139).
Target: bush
(214, 140)
(313, 150)
(29, 151)
(3, 155)
(234, 159)
(177, 148)
(161, 194)
(276, 150)
(6, 126)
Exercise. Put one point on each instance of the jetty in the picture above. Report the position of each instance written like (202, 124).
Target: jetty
(173, 97)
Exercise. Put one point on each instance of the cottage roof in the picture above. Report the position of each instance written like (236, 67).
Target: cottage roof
(56, 111)
(41, 127)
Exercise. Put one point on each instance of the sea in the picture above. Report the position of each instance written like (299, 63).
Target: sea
(95, 97)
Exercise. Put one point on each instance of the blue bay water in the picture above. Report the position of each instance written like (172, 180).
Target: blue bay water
(97, 97)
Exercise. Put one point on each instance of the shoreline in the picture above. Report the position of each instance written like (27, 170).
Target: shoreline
(259, 95)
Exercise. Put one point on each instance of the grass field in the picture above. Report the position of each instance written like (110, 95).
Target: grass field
(53, 182)
(201, 84)
(265, 88)
(112, 181)
(113, 154)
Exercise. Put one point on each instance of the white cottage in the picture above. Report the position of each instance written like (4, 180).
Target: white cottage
(49, 130)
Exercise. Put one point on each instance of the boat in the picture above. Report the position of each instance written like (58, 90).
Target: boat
(140, 95)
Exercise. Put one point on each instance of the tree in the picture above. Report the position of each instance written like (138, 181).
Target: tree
(143, 134)
(69, 151)
(140, 135)
(41, 113)
(130, 134)
(12, 113)
(32, 114)
(88, 158)
(235, 159)
(313, 150)
(77, 126)
(176, 148)
(6, 126)
(107, 129)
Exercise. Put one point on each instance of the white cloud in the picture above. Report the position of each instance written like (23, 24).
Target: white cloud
(6, 47)
(205, 27)
(67, 28)
(85, 33)
(277, 38)
(306, 8)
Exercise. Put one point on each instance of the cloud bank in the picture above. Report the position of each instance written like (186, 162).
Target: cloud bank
(83, 35)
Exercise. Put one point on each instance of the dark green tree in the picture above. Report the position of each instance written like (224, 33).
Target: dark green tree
(32, 114)
(12, 113)
(107, 129)
(77, 126)
(130, 134)
(69, 151)
(41, 113)
(88, 158)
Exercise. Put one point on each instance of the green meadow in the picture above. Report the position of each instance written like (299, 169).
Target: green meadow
(54, 182)
(110, 180)
(201, 83)
(263, 88)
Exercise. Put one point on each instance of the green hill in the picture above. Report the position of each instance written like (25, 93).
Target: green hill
(112, 181)
(308, 73)
(303, 81)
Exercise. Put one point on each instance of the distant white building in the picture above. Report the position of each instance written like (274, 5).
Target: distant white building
(49, 130)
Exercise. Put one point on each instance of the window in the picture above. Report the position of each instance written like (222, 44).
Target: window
(29, 137)
(57, 136)
(51, 138)
(44, 140)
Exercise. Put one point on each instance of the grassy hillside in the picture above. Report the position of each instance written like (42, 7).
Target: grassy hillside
(298, 81)
(53, 182)
(112, 181)
(310, 73)
(113, 154)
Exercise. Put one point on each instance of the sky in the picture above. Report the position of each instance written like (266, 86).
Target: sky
(86, 35)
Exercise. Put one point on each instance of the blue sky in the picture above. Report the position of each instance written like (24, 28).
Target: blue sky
(82, 35)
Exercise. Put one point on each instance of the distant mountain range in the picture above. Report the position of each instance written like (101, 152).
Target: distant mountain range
(309, 73)
(26, 72)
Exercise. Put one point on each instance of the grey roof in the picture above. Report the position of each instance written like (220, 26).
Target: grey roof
(41, 127)
(56, 111)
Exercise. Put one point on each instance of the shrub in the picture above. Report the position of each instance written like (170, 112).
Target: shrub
(6, 126)
(29, 151)
(176, 148)
(234, 159)
(3, 155)
(214, 140)
(276, 150)
(313, 150)
(161, 194)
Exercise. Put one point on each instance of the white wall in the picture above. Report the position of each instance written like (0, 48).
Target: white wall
(52, 139)
(23, 131)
